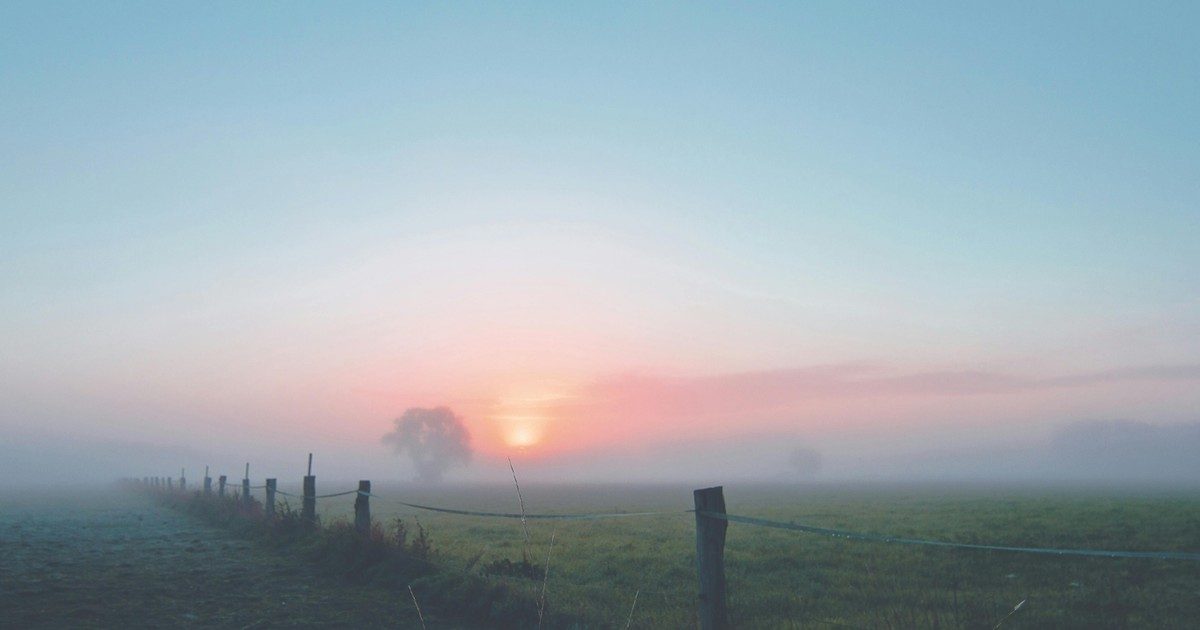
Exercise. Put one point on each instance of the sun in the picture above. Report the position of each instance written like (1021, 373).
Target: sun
(522, 435)
(524, 416)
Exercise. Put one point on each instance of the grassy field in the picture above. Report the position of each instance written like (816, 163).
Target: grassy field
(790, 579)
(101, 557)
(118, 559)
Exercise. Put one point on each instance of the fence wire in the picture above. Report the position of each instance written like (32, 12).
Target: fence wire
(520, 515)
(762, 522)
(849, 535)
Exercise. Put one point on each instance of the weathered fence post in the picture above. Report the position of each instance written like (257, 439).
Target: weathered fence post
(170, 484)
(246, 488)
(270, 504)
(362, 508)
(207, 481)
(710, 557)
(308, 511)
(182, 480)
(221, 486)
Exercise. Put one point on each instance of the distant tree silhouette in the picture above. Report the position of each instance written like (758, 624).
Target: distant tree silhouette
(435, 439)
(805, 461)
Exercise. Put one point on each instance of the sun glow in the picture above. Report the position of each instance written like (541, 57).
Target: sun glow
(522, 435)
(523, 416)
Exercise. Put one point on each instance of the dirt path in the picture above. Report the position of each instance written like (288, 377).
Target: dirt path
(112, 559)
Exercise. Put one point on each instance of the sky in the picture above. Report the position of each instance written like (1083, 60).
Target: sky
(611, 237)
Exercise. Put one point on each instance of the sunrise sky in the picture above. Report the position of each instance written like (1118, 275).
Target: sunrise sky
(600, 235)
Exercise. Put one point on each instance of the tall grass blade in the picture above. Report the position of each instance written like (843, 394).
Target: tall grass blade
(521, 501)
(418, 606)
(545, 579)
(629, 621)
(1012, 612)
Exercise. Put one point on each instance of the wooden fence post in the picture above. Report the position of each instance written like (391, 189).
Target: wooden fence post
(308, 511)
(207, 481)
(246, 488)
(270, 504)
(710, 557)
(145, 481)
(170, 484)
(362, 508)
(182, 480)
(221, 486)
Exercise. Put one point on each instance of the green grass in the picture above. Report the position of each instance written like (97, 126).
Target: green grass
(395, 556)
(790, 579)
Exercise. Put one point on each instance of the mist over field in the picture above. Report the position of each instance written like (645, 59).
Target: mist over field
(1106, 453)
(599, 314)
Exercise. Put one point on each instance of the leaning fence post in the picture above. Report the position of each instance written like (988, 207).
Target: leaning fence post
(710, 557)
(221, 486)
(270, 504)
(362, 508)
(246, 488)
(308, 511)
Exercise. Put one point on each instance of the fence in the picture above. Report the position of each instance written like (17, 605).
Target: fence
(712, 522)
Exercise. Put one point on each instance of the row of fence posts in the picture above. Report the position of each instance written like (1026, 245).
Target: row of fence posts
(308, 510)
(712, 611)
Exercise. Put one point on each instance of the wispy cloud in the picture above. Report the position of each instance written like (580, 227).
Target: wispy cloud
(649, 407)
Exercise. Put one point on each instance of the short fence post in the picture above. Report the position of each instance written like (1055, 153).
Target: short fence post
(308, 511)
(207, 481)
(270, 504)
(362, 508)
(182, 480)
(170, 484)
(710, 557)
(246, 488)
(221, 486)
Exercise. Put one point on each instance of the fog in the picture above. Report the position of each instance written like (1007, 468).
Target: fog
(1100, 452)
(434, 441)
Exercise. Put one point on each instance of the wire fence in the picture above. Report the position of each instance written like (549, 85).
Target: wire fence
(720, 516)
(790, 526)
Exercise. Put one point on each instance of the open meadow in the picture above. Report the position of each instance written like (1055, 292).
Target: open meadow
(792, 579)
(598, 315)
(99, 557)
(120, 558)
